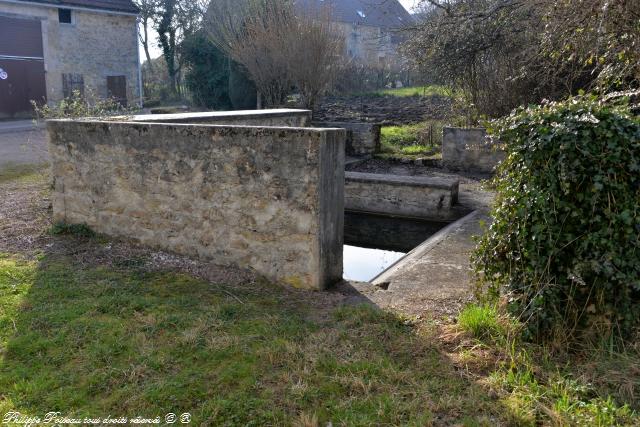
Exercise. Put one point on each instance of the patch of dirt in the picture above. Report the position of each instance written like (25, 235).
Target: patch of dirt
(388, 110)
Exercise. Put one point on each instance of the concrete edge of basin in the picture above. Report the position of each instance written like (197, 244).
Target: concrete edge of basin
(402, 180)
(421, 249)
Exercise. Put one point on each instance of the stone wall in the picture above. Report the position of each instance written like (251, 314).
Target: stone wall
(469, 150)
(276, 117)
(407, 196)
(363, 139)
(97, 45)
(266, 198)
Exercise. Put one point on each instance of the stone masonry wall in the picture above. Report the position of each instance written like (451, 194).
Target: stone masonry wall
(363, 139)
(407, 196)
(96, 45)
(469, 150)
(267, 198)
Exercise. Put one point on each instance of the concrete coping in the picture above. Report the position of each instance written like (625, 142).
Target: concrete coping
(401, 180)
(426, 246)
(465, 128)
(365, 125)
(221, 115)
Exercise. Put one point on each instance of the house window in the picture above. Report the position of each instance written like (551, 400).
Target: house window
(72, 84)
(64, 16)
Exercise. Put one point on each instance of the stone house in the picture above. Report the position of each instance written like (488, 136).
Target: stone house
(51, 48)
(370, 28)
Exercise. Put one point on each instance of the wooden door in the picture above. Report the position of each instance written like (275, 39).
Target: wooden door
(22, 75)
(117, 89)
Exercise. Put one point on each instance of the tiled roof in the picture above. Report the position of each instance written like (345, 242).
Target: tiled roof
(126, 6)
(374, 13)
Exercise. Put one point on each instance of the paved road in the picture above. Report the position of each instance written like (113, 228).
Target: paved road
(22, 143)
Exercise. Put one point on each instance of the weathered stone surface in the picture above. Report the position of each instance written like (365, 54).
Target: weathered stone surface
(415, 197)
(267, 198)
(469, 150)
(363, 139)
(275, 117)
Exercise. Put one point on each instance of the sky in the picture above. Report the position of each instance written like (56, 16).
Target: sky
(408, 4)
(156, 52)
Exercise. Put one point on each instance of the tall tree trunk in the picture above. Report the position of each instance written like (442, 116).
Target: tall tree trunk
(167, 37)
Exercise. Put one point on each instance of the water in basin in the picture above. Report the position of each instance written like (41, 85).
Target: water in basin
(374, 243)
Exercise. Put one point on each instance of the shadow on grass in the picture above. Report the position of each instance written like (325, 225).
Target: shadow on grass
(92, 341)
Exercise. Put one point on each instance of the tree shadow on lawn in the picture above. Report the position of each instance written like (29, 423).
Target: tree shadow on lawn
(94, 341)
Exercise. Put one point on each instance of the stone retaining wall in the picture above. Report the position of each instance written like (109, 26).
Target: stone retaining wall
(407, 196)
(469, 150)
(276, 117)
(267, 198)
(363, 139)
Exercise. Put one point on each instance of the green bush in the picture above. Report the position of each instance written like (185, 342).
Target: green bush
(207, 76)
(564, 246)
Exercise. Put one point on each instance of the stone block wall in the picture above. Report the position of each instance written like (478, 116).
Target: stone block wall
(363, 139)
(270, 199)
(469, 150)
(275, 117)
(407, 196)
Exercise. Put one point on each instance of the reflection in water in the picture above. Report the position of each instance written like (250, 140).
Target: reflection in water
(374, 242)
(363, 264)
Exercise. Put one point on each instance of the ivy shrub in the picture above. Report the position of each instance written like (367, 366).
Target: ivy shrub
(564, 245)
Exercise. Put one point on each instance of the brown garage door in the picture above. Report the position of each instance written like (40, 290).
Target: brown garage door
(24, 82)
(22, 75)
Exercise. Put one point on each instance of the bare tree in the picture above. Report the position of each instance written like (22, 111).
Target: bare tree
(315, 54)
(278, 45)
(174, 20)
(505, 53)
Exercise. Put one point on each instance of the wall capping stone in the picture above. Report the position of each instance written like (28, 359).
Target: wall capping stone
(259, 117)
(404, 181)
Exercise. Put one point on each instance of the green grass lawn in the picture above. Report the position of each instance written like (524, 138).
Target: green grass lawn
(430, 90)
(97, 341)
(417, 139)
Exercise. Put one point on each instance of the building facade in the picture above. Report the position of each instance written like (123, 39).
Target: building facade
(371, 28)
(51, 48)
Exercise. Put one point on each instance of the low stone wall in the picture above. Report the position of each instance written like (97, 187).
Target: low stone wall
(266, 198)
(469, 150)
(407, 196)
(277, 117)
(363, 139)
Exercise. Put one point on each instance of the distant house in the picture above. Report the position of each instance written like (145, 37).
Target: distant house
(51, 48)
(370, 28)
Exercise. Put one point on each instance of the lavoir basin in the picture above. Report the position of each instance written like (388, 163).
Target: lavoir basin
(373, 243)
